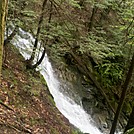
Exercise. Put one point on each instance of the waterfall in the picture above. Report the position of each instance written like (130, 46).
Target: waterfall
(72, 111)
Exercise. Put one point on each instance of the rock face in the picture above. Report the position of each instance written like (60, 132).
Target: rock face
(29, 107)
(98, 111)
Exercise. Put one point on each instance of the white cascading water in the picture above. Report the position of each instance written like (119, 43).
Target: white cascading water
(73, 112)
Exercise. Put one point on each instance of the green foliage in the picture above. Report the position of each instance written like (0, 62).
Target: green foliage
(97, 45)
(104, 4)
(28, 13)
(76, 132)
(21, 13)
(110, 41)
(74, 3)
(54, 131)
(106, 42)
(110, 73)
(130, 131)
(108, 56)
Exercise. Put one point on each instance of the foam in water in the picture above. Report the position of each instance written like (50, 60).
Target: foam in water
(73, 112)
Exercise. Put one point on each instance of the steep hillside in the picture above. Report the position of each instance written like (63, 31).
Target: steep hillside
(26, 106)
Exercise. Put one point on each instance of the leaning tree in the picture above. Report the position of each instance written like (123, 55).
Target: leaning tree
(3, 7)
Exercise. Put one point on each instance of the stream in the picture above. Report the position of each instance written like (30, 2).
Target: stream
(73, 111)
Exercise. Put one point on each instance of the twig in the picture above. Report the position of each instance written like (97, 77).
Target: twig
(10, 126)
(19, 128)
(6, 106)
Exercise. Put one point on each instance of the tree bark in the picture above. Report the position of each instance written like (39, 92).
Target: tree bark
(3, 7)
(122, 98)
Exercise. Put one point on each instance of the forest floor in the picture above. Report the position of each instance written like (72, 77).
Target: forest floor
(26, 105)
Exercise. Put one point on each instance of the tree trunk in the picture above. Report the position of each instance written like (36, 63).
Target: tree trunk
(3, 7)
(124, 91)
(30, 66)
(38, 32)
(91, 21)
(39, 61)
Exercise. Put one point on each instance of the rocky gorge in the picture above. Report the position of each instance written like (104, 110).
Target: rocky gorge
(83, 91)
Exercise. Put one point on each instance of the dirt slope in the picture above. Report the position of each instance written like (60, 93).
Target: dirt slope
(26, 105)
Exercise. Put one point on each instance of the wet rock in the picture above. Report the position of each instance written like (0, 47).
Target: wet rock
(23, 34)
(101, 120)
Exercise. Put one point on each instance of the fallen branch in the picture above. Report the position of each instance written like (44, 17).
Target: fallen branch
(23, 128)
(5, 105)
(10, 126)
(19, 128)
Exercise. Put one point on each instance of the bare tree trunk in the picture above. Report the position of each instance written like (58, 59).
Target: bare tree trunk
(47, 29)
(91, 21)
(38, 32)
(44, 51)
(3, 7)
(40, 60)
(124, 91)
